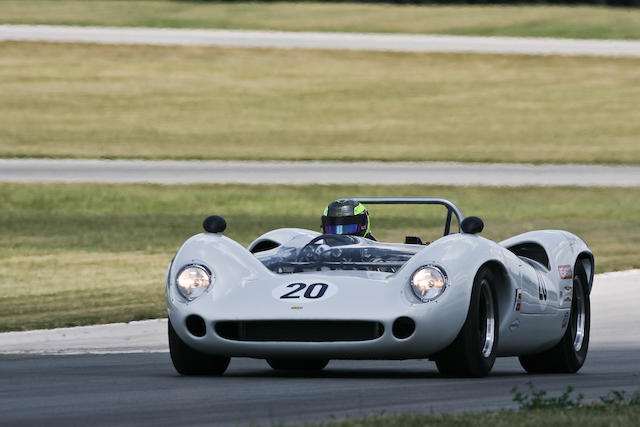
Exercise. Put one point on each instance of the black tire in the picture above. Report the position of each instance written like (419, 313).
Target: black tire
(569, 354)
(188, 361)
(298, 364)
(473, 352)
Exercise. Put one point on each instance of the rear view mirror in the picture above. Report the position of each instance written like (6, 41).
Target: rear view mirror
(214, 224)
(472, 225)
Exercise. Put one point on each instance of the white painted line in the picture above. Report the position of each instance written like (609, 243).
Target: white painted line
(615, 298)
(621, 274)
(614, 324)
(252, 172)
(148, 336)
(321, 40)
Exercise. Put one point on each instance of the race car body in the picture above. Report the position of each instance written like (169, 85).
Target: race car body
(299, 298)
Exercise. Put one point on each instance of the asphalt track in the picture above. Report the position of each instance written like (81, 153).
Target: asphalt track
(378, 173)
(143, 389)
(105, 384)
(323, 40)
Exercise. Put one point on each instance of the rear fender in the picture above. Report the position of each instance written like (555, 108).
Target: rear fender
(565, 252)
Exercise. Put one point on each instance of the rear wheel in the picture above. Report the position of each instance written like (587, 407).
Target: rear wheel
(473, 352)
(569, 354)
(298, 364)
(188, 361)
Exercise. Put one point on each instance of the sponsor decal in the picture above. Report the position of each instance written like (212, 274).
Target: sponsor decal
(296, 307)
(565, 319)
(565, 271)
(514, 325)
(518, 302)
(567, 299)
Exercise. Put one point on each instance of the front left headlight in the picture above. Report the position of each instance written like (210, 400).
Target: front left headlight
(193, 281)
(428, 282)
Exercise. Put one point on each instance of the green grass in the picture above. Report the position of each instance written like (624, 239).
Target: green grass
(617, 408)
(529, 21)
(59, 100)
(587, 416)
(81, 254)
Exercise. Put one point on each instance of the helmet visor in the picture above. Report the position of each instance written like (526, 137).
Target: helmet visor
(344, 229)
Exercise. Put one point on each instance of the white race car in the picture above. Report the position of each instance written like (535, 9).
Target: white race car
(298, 298)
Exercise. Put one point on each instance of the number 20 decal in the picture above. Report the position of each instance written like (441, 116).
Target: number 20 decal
(313, 291)
(304, 291)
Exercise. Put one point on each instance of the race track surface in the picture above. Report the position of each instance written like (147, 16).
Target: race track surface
(121, 374)
(143, 389)
(378, 173)
(316, 40)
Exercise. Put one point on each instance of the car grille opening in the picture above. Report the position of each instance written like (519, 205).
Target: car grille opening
(300, 330)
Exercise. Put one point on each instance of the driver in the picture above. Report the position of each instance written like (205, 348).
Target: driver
(347, 216)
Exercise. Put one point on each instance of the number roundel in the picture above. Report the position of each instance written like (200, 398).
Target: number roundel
(304, 292)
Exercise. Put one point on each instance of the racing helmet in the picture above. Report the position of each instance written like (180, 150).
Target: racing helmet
(346, 216)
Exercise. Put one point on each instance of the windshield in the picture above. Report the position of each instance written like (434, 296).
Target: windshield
(337, 252)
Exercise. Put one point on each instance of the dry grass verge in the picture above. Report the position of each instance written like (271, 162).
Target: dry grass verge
(59, 100)
(84, 254)
(529, 21)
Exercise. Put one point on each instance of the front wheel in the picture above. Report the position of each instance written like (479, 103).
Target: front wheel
(569, 354)
(473, 352)
(188, 361)
(298, 364)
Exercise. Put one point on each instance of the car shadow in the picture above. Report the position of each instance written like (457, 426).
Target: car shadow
(365, 374)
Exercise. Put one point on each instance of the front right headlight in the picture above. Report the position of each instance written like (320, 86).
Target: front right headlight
(193, 281)
(428, 282)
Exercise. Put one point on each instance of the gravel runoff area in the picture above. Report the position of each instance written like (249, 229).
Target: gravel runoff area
(321, 40)
(272, 172)
(614, 301)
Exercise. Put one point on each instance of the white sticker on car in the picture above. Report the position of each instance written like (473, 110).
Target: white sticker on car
(304, 292)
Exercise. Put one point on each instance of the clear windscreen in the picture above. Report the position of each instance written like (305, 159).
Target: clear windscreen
(337, 252)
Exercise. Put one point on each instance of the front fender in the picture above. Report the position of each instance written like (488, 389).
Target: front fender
(461, 256)
(230, 263)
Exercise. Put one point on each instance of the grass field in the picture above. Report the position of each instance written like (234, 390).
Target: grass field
(82, 254)
(537, 408)
(590, 416)
(59, 100)
(529, 21)
(595, 415)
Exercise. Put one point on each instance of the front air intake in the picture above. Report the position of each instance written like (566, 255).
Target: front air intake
(196, 326)
(403, 327)
(300, 330)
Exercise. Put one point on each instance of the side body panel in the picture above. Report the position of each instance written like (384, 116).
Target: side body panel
(547, 289)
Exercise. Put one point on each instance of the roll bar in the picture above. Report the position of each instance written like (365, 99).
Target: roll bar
(452, 209)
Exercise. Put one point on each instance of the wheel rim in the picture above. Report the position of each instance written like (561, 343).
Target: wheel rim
(487, 320)
(578, 315)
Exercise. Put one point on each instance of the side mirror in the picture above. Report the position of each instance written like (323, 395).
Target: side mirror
(214, 224)
(472, 225)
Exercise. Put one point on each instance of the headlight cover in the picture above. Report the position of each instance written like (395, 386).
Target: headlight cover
(193, 281)
(428, 282)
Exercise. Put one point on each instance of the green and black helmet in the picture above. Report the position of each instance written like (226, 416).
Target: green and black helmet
(346, 216)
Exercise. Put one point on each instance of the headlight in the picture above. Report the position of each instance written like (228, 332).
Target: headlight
(193, 281)
(428, 282)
